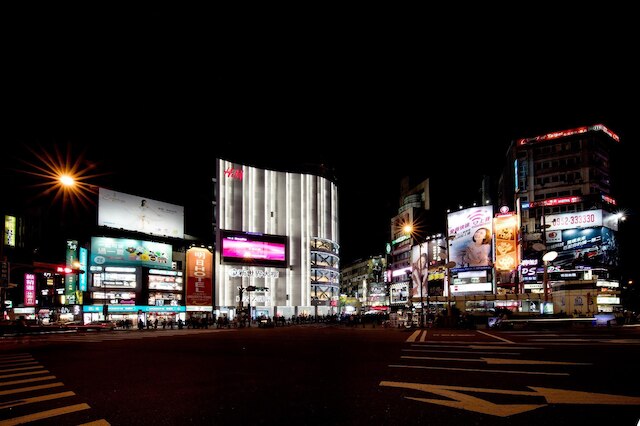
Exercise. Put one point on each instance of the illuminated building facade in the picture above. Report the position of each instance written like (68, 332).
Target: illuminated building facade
(562, 187)
(277, 242)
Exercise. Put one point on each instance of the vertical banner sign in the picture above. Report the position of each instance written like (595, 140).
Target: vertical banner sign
(29, 290)
(199, 276)
(506, 229)
(10, 231)
(4, 274)
(82, 278)
(70, 279)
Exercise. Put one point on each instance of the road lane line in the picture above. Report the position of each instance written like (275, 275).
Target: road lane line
(414, 336)
(494, 336)
(462, 352)
(476, 370)
(498, 360)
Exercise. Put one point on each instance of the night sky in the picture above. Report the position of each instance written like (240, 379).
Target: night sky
(371, 126)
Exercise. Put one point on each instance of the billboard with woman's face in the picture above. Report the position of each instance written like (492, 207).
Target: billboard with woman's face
(470, 234)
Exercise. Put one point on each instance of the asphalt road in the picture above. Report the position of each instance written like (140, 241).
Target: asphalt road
(322, 375)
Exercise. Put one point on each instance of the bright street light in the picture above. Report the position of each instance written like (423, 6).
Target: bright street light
(67, 180)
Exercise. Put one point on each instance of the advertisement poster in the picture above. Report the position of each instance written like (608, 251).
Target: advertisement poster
(470, 233)
(126, 252)
(506, 229)
(199, 277)
(587, 247)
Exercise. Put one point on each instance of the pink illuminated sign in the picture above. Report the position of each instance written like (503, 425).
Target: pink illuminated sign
(254, 248)
(555, 201)
(246, 249)
(29, 290)
(570, 132)
(233, 173)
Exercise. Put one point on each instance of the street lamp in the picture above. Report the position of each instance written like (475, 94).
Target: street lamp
(240, 306)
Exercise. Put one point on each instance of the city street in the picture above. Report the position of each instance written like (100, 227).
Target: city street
(320, 374)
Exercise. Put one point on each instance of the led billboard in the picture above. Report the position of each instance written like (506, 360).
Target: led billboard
(254, 248)
(126, 252)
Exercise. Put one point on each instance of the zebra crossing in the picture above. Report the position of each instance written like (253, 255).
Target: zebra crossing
(29, 393)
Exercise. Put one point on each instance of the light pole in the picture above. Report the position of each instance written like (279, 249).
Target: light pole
(546, 258)
(240, 306)
(420, 278)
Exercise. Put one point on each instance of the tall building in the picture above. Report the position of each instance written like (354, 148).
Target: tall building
(414, 212)
(277, 242)
(364, 287)
(561, 185)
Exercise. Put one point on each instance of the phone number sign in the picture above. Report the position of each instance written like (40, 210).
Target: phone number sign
(584, 219)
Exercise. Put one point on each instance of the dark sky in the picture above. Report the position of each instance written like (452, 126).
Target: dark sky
(155, 133)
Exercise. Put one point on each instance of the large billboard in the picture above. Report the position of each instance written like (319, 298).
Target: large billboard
(132, 213)
(126, 252)
(470, 234)
(254, 248)
(425, 258)
(586, 247)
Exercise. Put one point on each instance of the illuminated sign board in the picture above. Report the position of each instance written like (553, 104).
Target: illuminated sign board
(551, 202)
(29, 290)
(10, 231)
(570, 132)
(199, 273)
(83, 259)
(254, 248)
(471, 237)
(233, 173)
(583, 219)
(165, 282)
(506, 230)
(70, 280)
(119, 251)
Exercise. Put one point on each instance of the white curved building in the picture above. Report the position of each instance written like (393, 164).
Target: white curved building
(277, 242)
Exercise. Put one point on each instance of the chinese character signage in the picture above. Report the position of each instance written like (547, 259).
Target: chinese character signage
(199, 290)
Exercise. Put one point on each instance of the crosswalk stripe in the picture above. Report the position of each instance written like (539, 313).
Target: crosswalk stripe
(36, 379)
(30, 388)
(44, 415)
(24, 373)
(24, 401)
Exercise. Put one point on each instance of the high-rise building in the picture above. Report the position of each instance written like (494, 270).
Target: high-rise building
(561, 185)
(277, 243)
